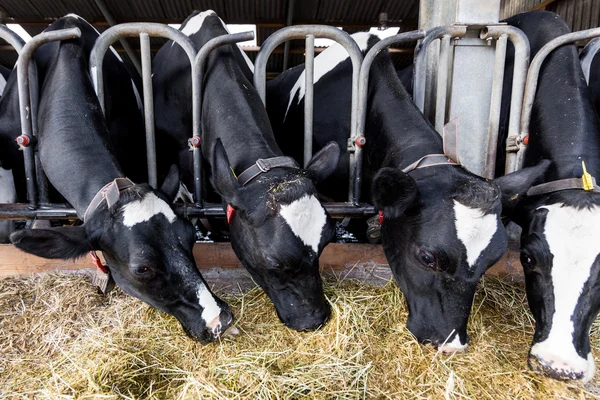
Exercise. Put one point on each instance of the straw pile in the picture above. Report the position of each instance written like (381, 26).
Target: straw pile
(59, 339)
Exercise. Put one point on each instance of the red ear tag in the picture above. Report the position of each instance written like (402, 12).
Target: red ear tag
(380, 217)
(230, 212)
(97, 262)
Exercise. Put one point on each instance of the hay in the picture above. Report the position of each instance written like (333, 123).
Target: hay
(59, 339)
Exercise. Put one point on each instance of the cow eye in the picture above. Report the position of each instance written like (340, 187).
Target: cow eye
(527, 261)
(141, 270)
(426, 258)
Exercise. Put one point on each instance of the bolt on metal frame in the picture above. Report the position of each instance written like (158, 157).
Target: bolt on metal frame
(309, 33)
(533, 77)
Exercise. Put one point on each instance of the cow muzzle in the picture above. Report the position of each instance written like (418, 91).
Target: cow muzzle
(560, 364)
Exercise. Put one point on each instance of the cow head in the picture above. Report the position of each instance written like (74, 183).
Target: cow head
(441, 231)
(278, 232)
(559, 254)
(148, 249)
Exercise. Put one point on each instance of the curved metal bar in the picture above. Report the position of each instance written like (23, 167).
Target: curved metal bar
(363, 90)
(533, 76)
(134, 29)
(521, 64)
(198, 67)
(587, 56)
(454, 31)
(25, 109)
(11, 38)
(318, 31)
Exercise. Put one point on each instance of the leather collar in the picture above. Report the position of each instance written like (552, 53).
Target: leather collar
(429, 161)
(110, 192)
(562, 184)
(264, 165)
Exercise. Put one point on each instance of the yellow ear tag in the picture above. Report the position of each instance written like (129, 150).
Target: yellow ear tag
(586, 179)
(233, 172)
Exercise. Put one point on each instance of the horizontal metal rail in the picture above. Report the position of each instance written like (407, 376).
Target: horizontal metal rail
(19, 211)
(533, 77)
(198, 67)
(143, 30)
(521, 63)
(27, 110)
(10, 37)
(341, 37)
(587, 57)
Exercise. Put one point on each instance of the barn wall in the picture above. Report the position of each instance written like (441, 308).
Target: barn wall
(579, 14)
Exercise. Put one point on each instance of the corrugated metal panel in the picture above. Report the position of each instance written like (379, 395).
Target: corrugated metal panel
(579, 14)
(509, 8)
(269, 10)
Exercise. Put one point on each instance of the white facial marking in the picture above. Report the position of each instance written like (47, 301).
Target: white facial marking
(474, 229)
(139, 211)
(453, 346)
(306, 218)
(211, 311)
(325, 62)
(195, 23)
(138, 99)
(572, 237)
(2, 84)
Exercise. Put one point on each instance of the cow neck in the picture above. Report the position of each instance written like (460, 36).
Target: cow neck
(404, 137)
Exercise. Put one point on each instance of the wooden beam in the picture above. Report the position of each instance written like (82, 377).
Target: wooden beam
(220, 259)
(542, 5)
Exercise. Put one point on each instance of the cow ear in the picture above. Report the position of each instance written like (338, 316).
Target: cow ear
(223, 180)
(63, 242)
(515, 185)
(324, 163)
(170, 186)
(393, 192)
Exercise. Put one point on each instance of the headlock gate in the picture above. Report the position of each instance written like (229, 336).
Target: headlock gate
(523, 93)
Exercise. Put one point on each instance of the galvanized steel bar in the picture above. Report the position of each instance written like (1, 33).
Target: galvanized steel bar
(321, 31)
(363, 91)
(25, 109)
(9, 36)
(309, 65)
(286, 45)
(533, 75)
(442, 84)
(495, 105)
(521, 64)
(148, 108)
(587, 57)
(454, 31)
(114, 33)
(198, 67)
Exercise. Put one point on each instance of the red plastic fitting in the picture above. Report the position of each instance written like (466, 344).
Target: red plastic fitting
(23, 140)
(361, 141)
(196, 141)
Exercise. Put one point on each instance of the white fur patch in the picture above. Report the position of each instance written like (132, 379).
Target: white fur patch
(94, 78)
(453, 346)
(306, 218)
(325, 62)
(2, 84)
(572, 237)
(211, 310)
(474, 229)
(195, 23)
(139, 211)
(183, 194)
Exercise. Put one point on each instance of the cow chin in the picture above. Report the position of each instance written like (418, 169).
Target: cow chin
(208, 332)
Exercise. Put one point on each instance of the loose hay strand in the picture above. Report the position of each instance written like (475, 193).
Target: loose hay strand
(61, 340)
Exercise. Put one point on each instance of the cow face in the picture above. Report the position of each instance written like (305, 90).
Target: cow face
(148, 249)
(559, 254)
(278, 231)
(441, 231)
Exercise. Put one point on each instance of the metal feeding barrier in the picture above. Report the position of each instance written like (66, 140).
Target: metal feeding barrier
(426, 76)
(534, 73)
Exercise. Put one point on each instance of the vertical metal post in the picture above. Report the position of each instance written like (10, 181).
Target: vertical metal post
(148, 108)
(309, 98)
(495, 104)
(442, 83)
(286, 45)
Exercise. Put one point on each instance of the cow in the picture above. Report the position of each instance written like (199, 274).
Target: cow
(594, 79)
(560, 221)
(147, 246)
(8, 192)
(441, 225)
(278, 228)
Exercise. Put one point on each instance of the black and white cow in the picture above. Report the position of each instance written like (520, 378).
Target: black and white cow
(442, 227)
(594, 81)
(279, 228)
(147, 246)
(559, 244)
